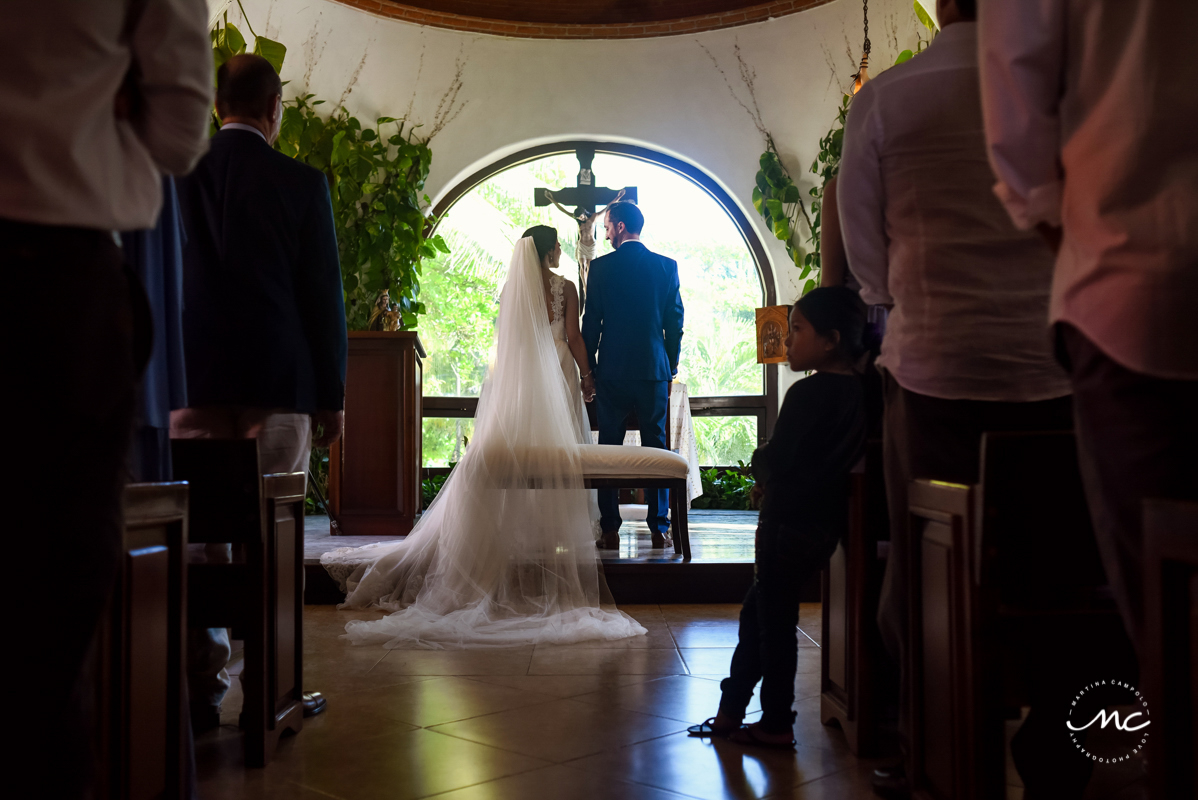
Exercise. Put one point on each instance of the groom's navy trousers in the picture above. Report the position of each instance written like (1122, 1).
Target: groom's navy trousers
(615, 400)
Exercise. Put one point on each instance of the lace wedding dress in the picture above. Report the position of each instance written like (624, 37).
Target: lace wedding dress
(578, 409)
(505, 555)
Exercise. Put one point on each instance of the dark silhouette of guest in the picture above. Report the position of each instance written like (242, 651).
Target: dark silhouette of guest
(264, 317)
(802, 476)
(964, 350)
(88, 126)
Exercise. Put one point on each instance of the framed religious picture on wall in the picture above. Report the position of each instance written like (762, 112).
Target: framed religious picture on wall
(772, 325)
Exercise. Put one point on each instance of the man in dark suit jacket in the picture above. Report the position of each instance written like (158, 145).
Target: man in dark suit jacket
(633, 334)
(264, 317)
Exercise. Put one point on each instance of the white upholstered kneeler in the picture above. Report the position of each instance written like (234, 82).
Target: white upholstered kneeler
(614, 466)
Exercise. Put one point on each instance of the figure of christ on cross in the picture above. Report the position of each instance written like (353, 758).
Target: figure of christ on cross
(586, 197)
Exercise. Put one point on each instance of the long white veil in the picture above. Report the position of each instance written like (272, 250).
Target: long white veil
(505, 554)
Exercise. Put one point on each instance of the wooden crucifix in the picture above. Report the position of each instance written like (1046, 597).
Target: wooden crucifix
(587, 198)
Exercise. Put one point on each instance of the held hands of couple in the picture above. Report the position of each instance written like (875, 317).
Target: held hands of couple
(588, 387)
(327, 427)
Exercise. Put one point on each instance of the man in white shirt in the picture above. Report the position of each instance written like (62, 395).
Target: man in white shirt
(1090, 114)
(97, 101)
(965, 349)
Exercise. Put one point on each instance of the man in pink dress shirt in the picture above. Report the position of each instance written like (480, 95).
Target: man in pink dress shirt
(965, 349)
(1090, 112)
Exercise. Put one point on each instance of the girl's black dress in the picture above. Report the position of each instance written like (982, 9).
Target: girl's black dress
(804, 470)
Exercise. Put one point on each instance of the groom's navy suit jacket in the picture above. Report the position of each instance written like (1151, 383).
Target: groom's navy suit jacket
(632, 325)
(264, 315)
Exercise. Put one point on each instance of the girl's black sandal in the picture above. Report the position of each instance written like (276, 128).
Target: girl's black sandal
(707, 728)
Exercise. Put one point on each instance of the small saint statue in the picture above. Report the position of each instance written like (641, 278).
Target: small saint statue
(772, 326)
(385, 316)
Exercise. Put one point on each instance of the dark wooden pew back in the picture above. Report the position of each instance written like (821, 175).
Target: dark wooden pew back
(259, 595)
(941, 665)
(851, 654)
(993, 567)
(1171, 643)
(282, 694)
(141, 652)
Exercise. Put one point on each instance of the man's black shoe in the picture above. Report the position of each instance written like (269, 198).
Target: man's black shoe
(314, 703)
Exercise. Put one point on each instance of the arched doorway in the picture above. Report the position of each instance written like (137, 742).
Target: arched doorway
(722, 268)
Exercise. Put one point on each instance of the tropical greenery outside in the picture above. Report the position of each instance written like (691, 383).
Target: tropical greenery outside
(720, 289)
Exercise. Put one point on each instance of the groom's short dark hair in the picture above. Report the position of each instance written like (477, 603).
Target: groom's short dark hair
(627, 213)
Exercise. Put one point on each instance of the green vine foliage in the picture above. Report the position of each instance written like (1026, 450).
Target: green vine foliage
(376, 177)
(779, 202)
(777, 198)
(825, 166)
(227, 41)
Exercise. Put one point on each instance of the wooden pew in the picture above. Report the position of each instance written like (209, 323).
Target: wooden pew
(141, 665)
(977, 598)
(1171, 643)
(260, 594)
(851, 653)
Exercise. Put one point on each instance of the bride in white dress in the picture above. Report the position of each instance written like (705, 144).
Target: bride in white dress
(505, 555)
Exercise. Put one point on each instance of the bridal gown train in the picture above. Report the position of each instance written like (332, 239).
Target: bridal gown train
(505, 555)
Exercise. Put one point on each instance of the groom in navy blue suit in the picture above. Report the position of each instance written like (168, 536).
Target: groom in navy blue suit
(632, 328)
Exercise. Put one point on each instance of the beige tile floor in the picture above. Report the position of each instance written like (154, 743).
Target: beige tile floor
(587, 721)
(593, 720)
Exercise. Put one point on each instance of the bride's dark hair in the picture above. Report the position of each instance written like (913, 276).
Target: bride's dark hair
(543, 237)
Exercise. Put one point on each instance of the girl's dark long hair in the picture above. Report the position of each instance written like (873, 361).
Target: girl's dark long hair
(837, 308)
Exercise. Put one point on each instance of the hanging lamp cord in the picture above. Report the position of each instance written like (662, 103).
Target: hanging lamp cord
(865, 13)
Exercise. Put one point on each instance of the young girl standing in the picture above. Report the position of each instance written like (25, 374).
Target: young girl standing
(802, 476)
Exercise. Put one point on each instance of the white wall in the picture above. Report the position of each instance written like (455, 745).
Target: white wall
(663, 93)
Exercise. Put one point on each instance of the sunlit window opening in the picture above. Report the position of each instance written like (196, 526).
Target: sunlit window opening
(720, 289)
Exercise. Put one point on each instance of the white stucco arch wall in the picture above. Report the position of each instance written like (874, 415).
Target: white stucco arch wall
(508, 150)
(487, 164)
(663, 93)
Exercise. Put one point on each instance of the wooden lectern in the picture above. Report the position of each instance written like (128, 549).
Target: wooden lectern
(374, 470)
